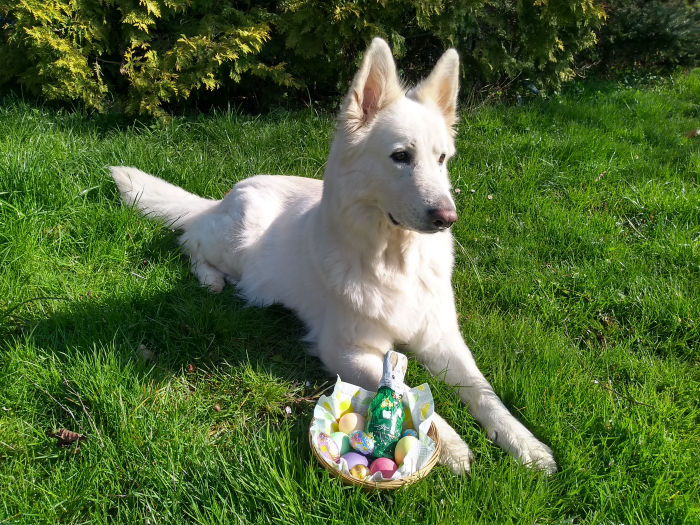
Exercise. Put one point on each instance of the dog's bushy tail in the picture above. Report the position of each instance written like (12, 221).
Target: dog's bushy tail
(159, 199)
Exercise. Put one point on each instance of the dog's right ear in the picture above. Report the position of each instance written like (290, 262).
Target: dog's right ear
(376, 84)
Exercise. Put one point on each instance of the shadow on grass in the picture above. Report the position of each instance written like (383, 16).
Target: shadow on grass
(184, 325)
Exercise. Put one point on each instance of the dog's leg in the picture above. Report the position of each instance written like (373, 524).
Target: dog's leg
(363, 367)
(455, 453)
(357, 365)
(207, 274)
(451, 359)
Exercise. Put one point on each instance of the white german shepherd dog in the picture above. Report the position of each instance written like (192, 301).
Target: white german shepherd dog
(364, 258)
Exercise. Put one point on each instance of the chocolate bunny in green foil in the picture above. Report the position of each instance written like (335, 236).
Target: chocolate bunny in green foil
(385, 414)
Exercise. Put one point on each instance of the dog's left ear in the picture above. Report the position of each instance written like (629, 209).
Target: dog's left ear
(442, 86)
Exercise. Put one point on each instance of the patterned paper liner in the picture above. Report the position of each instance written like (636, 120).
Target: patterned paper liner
(418, 407)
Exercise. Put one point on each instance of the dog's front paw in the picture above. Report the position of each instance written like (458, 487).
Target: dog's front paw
(208, 276)
(457, 455)
(535, 454)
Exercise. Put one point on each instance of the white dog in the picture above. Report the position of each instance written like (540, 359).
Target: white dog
(364, 258)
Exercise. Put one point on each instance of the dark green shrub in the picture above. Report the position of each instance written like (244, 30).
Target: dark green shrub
(142, 56)
(649, 33)
(498, 40)
(142, 52)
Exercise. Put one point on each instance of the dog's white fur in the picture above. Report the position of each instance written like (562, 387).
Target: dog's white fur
(357, 257)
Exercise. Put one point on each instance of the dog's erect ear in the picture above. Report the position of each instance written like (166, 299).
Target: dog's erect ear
(375, 85)
(442, 86)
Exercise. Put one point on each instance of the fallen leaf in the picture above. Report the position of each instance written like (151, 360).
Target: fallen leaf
(145, 353)
(65, 437)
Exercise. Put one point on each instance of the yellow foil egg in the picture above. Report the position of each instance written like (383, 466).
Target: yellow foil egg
(359, 472)
(403, 447)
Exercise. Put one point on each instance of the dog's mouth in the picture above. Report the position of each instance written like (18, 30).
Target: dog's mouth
(409, 228)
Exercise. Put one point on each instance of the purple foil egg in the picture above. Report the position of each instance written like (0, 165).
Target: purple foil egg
(354, 458)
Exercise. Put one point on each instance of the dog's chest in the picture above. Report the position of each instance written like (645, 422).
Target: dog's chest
(404, 302)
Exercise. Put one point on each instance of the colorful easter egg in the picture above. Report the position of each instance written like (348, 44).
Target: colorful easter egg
(343, 441)
(327, 448)
(409, 432)
(384, 465)
(362, 442)
(353, 459)
(359, 472)
(403, 447)
(350, 422)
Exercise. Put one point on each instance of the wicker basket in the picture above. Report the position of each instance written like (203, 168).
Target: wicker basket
(389, 484)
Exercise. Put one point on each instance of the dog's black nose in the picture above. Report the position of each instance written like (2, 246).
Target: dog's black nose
(442, 218)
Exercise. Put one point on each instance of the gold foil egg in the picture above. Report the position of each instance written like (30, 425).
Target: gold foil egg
(359, 472)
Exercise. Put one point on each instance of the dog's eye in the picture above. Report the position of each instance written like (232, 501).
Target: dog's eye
(441, 159)
(401, 156)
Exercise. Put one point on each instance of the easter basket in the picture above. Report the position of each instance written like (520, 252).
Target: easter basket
(419, 409)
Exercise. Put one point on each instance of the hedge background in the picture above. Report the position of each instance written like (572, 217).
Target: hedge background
(151, 57)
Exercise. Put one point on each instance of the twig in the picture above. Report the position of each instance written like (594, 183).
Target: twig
(635, 228)
(316, 394)
(608, 386)
(323, 388)
(7, 312)
(92, 421)
(70, 412)
(105, 61)
(566, 332)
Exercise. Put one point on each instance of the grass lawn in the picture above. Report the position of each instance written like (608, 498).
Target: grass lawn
(577, 280)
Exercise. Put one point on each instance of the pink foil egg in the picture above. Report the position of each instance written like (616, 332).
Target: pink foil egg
(384, 465)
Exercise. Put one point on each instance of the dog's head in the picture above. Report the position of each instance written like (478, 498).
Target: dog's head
(395, 144)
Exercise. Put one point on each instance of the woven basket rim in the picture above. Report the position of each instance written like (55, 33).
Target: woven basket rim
(391, 484)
